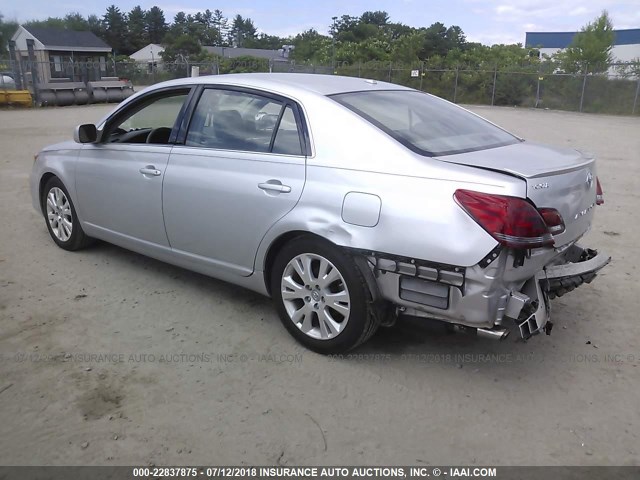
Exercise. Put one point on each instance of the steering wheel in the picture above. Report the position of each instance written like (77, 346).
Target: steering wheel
(159, 135)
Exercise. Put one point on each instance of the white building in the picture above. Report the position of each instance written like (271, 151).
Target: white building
(626, 44)
(149, 55)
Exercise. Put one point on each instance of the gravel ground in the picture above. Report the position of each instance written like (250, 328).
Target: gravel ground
(189, 370)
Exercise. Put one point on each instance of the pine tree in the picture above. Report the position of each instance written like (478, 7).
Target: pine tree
(94, 24)
(156, 25)
(221, 24)
(241, 30)
(136, 26)
(115, 30)
(75, 21)
(590, 48)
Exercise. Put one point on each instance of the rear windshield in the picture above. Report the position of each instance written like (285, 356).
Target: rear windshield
(426, 124)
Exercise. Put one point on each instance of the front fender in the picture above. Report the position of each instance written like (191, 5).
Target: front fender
(60, 163)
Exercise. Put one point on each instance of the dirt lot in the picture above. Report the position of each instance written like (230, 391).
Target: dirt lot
(189, 370)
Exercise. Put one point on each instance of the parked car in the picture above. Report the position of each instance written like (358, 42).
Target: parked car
(348, 201)
(7, 81)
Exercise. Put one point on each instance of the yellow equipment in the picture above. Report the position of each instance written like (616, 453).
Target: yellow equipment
(16, 97)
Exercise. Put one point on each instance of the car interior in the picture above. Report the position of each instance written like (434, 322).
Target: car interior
(222, 120)
(150, 122)
(238, 121)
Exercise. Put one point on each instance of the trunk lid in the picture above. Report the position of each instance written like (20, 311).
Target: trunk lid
(559, 178)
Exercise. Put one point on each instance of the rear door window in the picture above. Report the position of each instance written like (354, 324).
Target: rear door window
(287, 140)
(233, 120)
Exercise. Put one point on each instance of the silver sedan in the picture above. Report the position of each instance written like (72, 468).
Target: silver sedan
(348, 201)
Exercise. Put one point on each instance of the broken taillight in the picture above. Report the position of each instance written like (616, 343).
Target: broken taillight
(599, 194)
(553, 219)
(512, 221)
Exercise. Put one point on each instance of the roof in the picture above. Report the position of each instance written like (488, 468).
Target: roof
(53, 38)
(564, 39)
(293, 85)
(152, 50)
(235, 52)
(157, 46)
(289, 83)
(627, 37)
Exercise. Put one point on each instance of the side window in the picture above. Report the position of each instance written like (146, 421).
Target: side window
(287, 141)
(149, 122)
(230, 120)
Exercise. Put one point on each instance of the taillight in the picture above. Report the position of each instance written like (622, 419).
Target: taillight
(512, 221)
(599, 194)
(553, 219)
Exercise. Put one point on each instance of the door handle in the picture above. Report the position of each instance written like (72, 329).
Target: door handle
(274, 187)
(150, 170)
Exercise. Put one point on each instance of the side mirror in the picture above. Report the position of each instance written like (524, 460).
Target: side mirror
(86, 133)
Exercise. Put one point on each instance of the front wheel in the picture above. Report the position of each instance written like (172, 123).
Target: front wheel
(321, 296)
(60, 214)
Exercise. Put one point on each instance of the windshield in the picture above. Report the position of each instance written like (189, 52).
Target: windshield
(426, 124)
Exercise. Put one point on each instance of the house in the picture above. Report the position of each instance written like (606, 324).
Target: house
(60, 54)
(149, 56)
(626, 44)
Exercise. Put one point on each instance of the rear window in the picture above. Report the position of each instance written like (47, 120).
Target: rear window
(426, 124)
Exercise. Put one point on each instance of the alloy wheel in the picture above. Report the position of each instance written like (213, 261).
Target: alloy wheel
(315, 296)
(59, 214)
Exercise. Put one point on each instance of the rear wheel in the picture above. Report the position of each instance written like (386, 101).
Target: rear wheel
(60, 214)
(321, 296)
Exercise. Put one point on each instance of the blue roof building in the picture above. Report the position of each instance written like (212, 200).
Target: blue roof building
(563, 39)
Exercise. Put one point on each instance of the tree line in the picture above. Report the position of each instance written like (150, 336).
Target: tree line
(127, 32)
(370, 37)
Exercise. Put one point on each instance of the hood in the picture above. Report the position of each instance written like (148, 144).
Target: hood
(68, 145)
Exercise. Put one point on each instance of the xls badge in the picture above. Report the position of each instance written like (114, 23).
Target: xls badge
(540, 186)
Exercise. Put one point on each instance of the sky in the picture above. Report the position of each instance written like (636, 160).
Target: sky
(485, 21)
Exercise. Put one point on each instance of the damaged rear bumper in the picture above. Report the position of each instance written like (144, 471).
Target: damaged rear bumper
(530, 307)
(492, 296)
(582, 266)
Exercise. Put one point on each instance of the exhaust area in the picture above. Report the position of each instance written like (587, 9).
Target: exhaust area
(491, 333)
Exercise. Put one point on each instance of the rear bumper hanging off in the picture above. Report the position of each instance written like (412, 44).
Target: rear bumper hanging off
(483, 297)
(581, 267)
(530, 307)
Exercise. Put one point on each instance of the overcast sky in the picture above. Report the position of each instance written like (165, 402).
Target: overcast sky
(486, 21)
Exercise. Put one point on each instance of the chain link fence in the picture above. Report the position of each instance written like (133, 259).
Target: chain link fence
(611, 92)
(533, 86)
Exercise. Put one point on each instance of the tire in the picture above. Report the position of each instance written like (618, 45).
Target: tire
(329, 312)
(61, 218)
